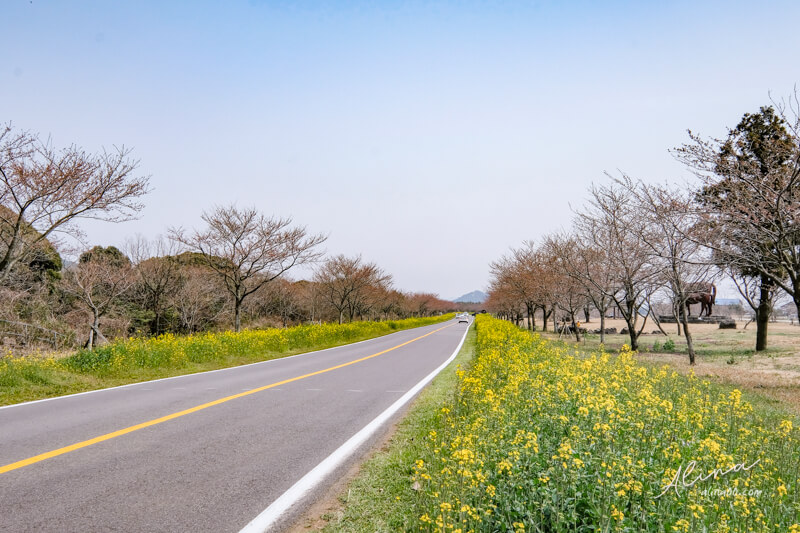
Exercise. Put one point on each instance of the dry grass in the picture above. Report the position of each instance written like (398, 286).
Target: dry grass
(725, 356)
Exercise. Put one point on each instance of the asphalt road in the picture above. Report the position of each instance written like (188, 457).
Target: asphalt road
(208, 469)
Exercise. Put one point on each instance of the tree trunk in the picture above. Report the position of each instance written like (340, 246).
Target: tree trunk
(678, 318)
(763, 312)
(95, 337)
(587, 313)
(95, 328)
(634, 337)
(797, 305)
(237, 319)
(545, 318)
(687, 335)
(575, 328)
(602, 327)
(8, 260)
(630, 319)
(90, 341)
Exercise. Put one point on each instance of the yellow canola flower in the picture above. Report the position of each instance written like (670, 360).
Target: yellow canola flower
(596, 429)
(681, 525)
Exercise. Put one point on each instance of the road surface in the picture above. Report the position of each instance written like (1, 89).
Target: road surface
(204, 452)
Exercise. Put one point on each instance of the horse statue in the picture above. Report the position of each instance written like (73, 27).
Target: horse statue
(703, 293)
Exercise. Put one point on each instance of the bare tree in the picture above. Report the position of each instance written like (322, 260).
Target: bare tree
(528, 279)
(424, 304)
(346, 283)
(392, 303)
(516, 276)
(570, 287)
(310, 299)
(280, 298)
(502, 301)
(200, 301)
(159, 275)
(615, 220)
(247, 249)
(671, 227)
(590, 266)
(50, 189)
(101, 276)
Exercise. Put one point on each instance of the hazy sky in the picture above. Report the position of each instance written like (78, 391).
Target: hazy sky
(427, 136)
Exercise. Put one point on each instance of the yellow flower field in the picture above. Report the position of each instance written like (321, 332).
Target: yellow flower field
(138, 359)
(177, 350)
(540, 439)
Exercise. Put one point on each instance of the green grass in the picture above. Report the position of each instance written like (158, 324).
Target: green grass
(142, 359)
(381, 498)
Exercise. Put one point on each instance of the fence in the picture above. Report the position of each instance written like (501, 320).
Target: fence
(28, 333)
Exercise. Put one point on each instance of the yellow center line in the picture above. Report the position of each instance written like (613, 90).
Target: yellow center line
(155, 421)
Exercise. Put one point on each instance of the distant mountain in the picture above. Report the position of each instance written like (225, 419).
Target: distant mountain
(477, 297)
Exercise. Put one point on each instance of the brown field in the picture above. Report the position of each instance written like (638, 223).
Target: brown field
(726, 356)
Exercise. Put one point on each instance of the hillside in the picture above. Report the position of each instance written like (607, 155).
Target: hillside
(472, 297)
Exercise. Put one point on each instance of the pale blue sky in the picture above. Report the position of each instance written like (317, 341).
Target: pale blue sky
(428, 136)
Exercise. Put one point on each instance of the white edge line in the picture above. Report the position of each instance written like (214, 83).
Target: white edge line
(230, 368)
(269, 516)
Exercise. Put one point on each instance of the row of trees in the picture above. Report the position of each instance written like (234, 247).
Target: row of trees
(636, 243)
(230, 271)
(159, 290)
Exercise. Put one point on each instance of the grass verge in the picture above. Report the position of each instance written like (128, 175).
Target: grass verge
(142, 359)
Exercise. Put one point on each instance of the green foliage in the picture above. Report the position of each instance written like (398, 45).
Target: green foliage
(42, 259)
(196, 259)
(669, 345)
(761, 138)
(45, 262)
(110, 254)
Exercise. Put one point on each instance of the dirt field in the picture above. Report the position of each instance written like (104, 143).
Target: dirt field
(726, 356)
